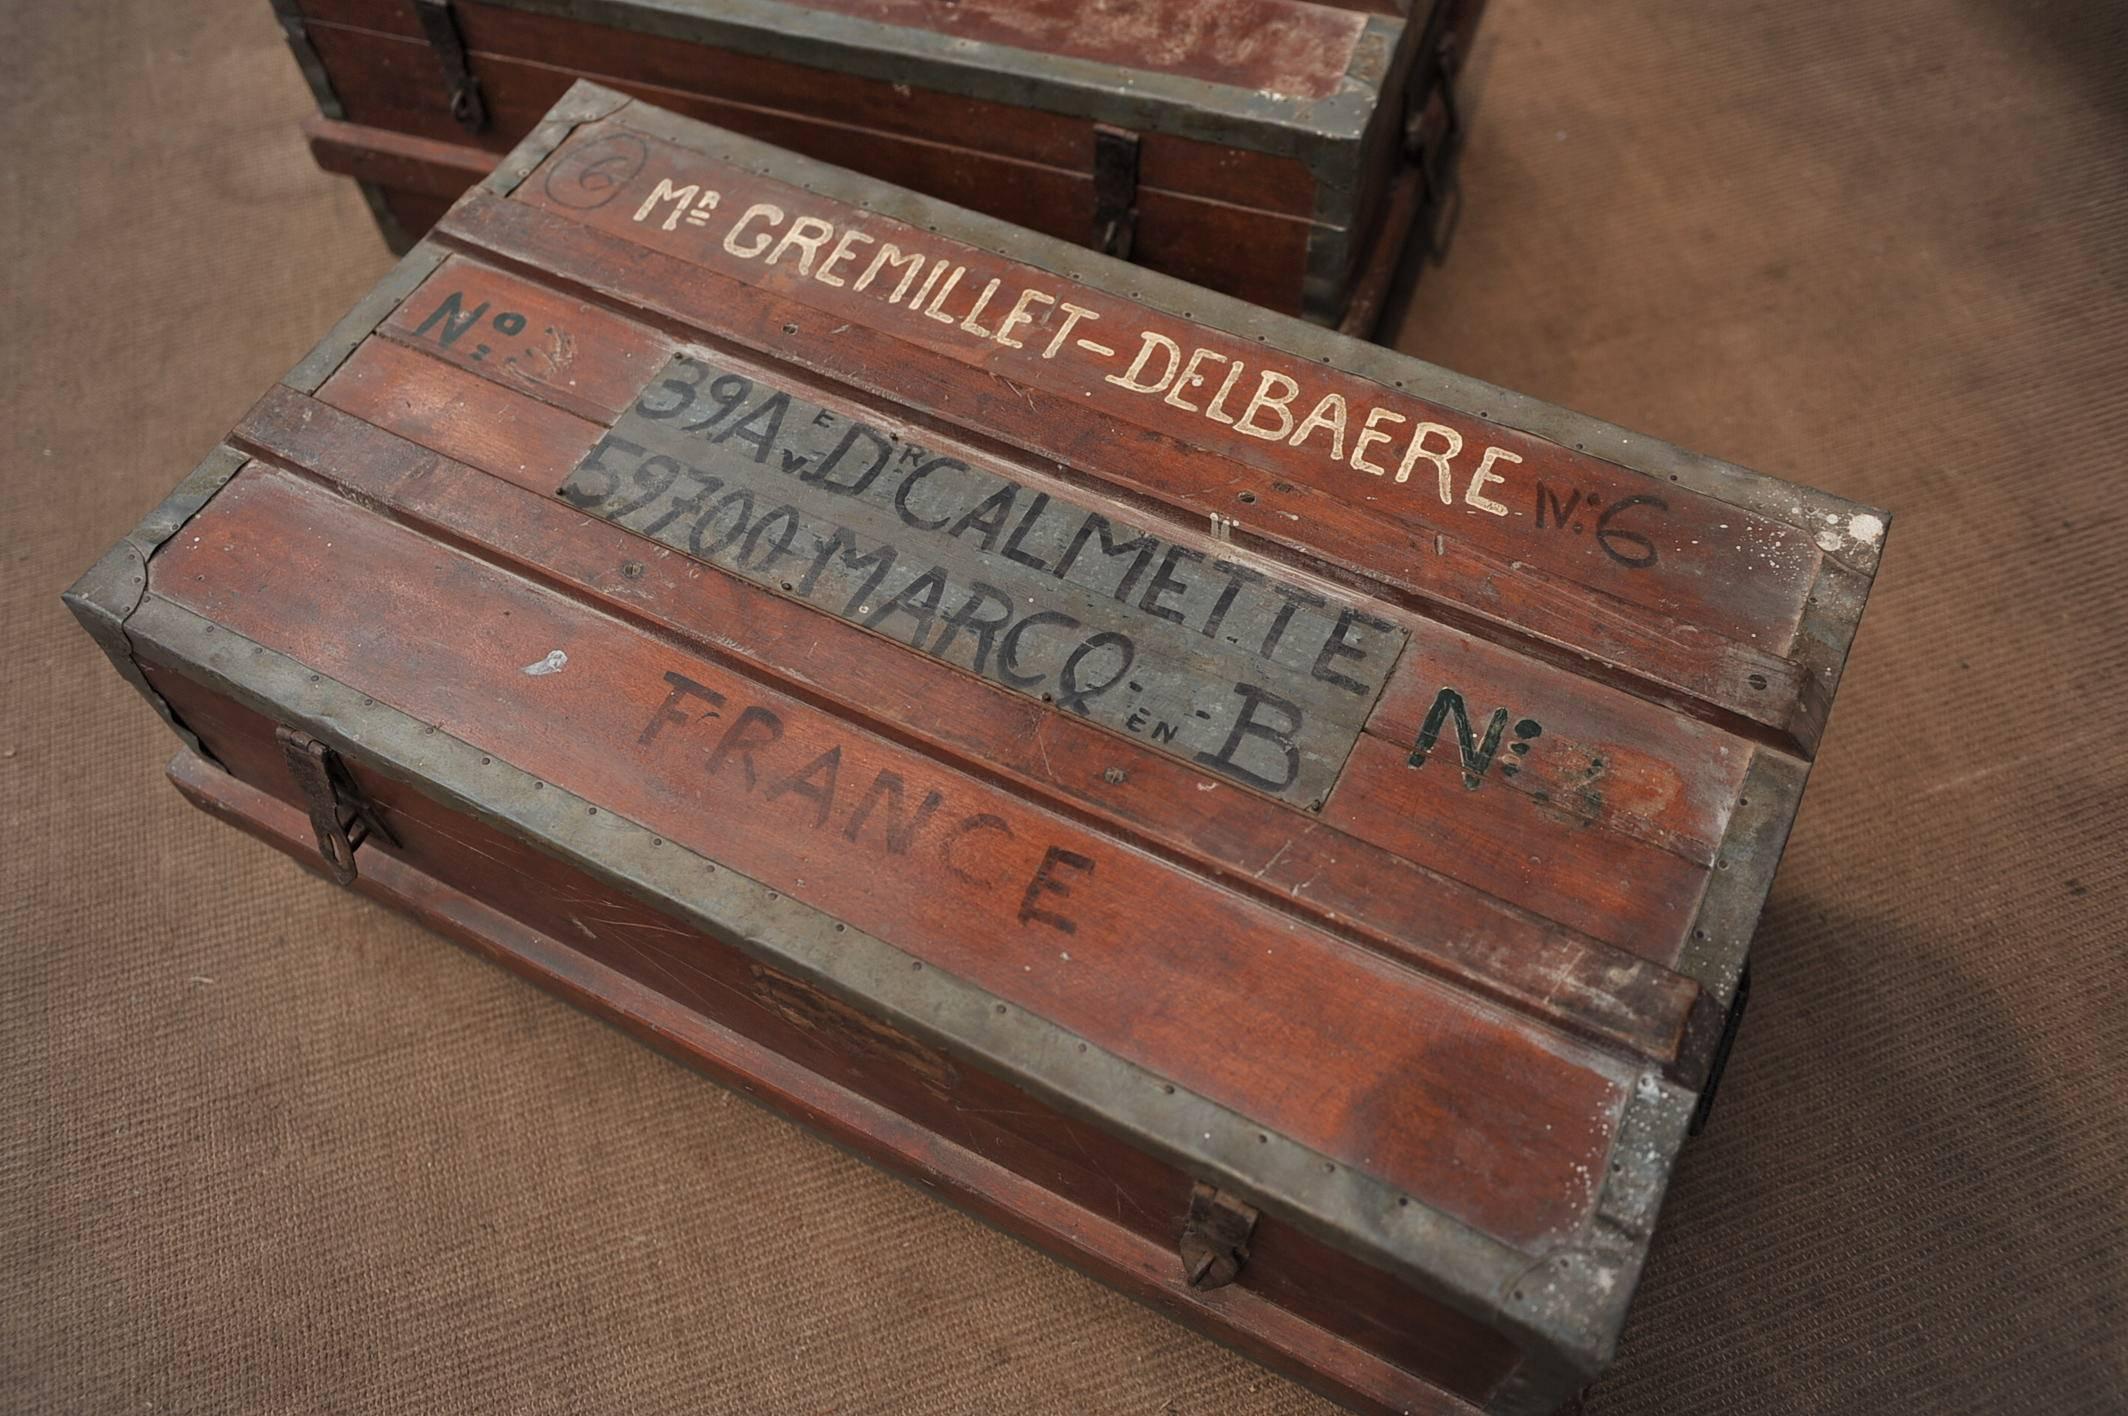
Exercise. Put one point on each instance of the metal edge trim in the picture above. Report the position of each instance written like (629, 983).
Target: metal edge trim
(1339, 169)
(105, 595)
(1311, 343)
(583, 103)
(296, 30)
(1750, 851)
(1354, 1212)
(874, 49)
(1599, 1281)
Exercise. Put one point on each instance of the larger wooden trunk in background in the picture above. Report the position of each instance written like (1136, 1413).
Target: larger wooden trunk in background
(1280, 151)
(1269, 820)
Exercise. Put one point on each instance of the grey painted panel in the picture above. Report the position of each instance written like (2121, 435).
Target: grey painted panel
(1218, 661)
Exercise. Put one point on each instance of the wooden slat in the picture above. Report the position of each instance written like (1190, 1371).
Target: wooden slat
(1457, 1103)
(1136, 443)
(1525, 761)
(1415, 915)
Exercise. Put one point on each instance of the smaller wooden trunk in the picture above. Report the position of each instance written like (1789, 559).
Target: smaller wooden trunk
(1272, 822)
(1280, 151)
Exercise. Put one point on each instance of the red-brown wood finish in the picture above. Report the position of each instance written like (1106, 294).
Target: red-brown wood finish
(1461, 969)
(832, 1098)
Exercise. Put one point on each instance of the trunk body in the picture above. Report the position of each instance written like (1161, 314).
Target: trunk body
(1263, 818)
(1278, 151)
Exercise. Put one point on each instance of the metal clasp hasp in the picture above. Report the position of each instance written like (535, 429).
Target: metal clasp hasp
(1215, 1238)
(340, 815)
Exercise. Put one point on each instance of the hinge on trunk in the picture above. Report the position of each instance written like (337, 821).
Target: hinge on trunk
(340, 815)
(440, 25)
(1215, 1238)
(1115, 190)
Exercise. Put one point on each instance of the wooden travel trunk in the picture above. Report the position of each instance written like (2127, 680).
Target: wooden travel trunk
(1270, 821)
(1276, 150)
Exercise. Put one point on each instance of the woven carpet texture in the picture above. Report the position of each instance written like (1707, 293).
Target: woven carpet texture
(267, 1148)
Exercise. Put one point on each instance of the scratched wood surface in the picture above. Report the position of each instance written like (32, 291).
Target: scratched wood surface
(1360, 763)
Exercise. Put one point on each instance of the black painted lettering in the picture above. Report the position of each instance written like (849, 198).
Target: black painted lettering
(815, 782)
(578, 492)
(1252, 724)
(908, 484)
(759, 428)
(918, 600)
(1045, 882)
(1338, 647)
(454, 318)
(988, 516)
(1237, 577)
(1095, 525)
(823, 475)
(948, 848)
(970, 617)
(1561, 515)
(755, 728)
(1071, 694)
(1294, 598)
(787, 517)
(1009, 652)
(682, 688)
(881, 561)
(1028, 518)
(1165, 583)
(1477, 754)
(1628, 548)
(900, 833)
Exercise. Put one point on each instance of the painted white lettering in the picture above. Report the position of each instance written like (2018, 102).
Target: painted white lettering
(1190, 379)
(1216, 409)
(890, 255)
(1072, 315)
(1152, 341)
(769, 213)
(808, 234)
(1440, 460)
(1330, 413)
(968, 320)
(933, 311)
(665, 191)
(1485, 477)
(842, 252)
(1369, 435)
(916, 301)
(1262, 399)
(1019, 315)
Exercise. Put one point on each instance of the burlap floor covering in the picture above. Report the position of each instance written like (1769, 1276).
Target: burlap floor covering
(266, 1148)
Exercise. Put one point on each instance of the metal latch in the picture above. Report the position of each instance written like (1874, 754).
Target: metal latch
(340, 815)
(1215, 1238)
(440, 25)
(1430, 120)
(1115, 190)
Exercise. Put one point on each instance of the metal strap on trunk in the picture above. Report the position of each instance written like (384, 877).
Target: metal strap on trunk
(340, 816)
(460, 83)
(1115, 190)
